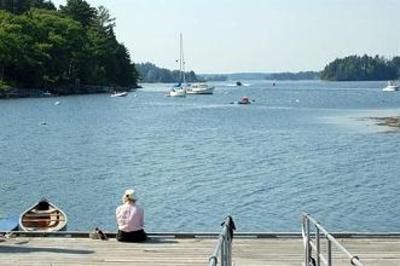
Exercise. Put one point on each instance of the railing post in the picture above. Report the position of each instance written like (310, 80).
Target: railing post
(230, 226)
(307, 261)
(329, 253)
(223, 252)
(213, 261)
(229, 250)
(318, 246)
(224, 246)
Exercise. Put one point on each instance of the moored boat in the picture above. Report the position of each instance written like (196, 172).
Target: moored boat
(177, 92)
(200, 88)
(119, 94)
(180, 89)
(244, 100)
(391, 87)
(44, 216)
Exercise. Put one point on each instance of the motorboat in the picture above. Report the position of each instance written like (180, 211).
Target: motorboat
(119, 94)
(391, 87)
(44, 216)
(200, 88)
(244, 100)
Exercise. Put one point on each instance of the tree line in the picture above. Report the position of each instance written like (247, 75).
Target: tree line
(150, 73)
(362, 68)
(42, 46)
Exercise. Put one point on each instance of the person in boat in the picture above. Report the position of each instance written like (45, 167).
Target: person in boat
(130, 219)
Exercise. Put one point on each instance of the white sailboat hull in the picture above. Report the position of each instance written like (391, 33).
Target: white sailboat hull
(177, 93)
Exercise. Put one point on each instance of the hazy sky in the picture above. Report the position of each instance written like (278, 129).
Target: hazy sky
(255, 35)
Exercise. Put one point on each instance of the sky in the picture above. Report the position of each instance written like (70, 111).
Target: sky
(226, 36)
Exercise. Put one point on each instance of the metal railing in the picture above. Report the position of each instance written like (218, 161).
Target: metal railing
(224, 245)
(312, 241)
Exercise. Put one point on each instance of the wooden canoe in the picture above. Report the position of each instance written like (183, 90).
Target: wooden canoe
(44, 216)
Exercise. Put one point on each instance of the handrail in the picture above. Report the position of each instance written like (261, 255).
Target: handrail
(224, 245)
(309, 244)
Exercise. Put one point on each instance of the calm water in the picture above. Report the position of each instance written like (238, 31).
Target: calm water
(302, 146)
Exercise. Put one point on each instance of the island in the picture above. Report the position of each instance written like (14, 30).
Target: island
(362, 68)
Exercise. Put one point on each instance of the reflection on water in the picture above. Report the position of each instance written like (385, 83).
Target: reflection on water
(300, 147)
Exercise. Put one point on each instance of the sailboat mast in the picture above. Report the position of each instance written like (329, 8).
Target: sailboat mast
(183, 60)
(180, 58)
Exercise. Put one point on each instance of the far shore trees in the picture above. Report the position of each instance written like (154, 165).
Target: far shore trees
(361, 68)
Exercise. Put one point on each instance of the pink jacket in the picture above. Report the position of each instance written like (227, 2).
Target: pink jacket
(130, 217)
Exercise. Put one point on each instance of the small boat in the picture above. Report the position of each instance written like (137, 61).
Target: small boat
(119, 94)
(47, 94)
(238, 83)
(200, 88)
(391, 87)
(244, 100)
(44, 216)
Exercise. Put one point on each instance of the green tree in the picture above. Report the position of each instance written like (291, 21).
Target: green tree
(21, 6)
(43, 47)
(79, 10)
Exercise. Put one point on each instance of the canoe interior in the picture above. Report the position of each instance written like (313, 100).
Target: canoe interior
(48, 219)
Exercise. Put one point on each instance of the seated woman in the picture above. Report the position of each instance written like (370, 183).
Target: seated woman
(130, 219)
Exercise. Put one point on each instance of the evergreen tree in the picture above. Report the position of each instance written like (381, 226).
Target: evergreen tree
(79, 10)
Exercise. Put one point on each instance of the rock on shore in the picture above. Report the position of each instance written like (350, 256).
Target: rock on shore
(390, 121)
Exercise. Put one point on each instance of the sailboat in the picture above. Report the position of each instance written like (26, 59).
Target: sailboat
(179, 90)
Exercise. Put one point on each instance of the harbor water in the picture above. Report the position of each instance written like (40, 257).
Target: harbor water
(301, 146)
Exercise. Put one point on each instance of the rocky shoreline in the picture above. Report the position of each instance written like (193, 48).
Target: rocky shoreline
(390, 121)
(12, 93)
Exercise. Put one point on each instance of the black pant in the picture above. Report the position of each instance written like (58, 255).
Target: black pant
(135, 236)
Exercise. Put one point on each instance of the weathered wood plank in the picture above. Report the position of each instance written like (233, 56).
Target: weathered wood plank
(192, 251)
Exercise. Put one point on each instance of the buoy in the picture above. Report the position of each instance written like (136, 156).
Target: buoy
(43, 123)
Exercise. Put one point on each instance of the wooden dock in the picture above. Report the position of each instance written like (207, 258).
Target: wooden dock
(247, 251)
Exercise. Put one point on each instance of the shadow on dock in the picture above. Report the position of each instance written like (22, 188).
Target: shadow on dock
(158, 241)
(19, 249)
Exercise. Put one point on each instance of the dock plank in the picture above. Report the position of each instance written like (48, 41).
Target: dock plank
(170, 251)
